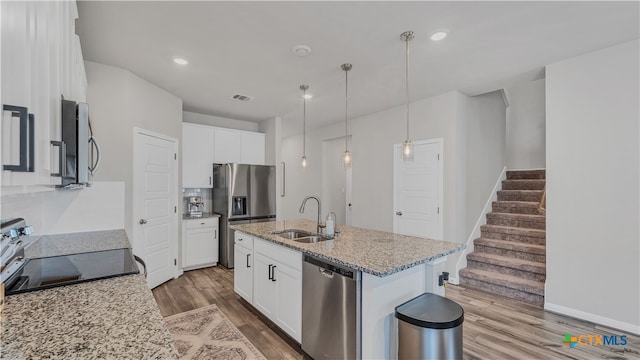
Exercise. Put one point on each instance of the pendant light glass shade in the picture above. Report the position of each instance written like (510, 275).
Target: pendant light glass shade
(407, 146)
(304, 89)
(346, 157)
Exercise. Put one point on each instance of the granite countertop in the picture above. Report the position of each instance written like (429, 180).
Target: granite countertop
(375, 252)
(203, 216)
(115, 318)
(74, 243)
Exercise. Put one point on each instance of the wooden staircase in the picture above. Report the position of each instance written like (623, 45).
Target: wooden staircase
(509, 258)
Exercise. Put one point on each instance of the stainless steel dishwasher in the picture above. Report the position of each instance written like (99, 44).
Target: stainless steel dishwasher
(330, 310)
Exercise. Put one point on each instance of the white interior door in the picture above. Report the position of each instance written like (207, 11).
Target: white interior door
(418, 190)
(155, 194)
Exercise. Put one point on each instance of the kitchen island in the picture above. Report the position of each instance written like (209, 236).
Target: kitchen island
(103, 319)
(394, 268)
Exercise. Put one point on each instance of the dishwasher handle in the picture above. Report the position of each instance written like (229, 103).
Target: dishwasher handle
(326, 273)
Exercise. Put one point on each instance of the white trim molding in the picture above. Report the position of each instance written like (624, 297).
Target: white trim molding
(596, 319)
(475, 233)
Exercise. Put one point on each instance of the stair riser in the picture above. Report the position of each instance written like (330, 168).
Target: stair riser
(515, 238)
(517, 196)
(523, 184)
(510, 253)
(502, 291)
(497, 207)
(472, 264)
(525, 175)
(522, 223)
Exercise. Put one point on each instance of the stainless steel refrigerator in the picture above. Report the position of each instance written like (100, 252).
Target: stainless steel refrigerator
(242, 194)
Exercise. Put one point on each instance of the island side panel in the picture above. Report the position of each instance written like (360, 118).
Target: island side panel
(380, 296)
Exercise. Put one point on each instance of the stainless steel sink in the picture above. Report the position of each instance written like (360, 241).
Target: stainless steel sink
(301, 236)
(311, 239)
(293, 234)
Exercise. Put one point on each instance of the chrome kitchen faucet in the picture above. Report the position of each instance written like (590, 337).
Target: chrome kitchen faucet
(304, 202)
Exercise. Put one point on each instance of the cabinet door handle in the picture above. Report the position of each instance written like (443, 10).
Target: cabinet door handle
(26, 138)
(210, 180)
(270, 278)
(273, 273)
(248, 265)
(215, 233)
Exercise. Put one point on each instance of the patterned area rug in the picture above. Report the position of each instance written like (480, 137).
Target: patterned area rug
(206, 333)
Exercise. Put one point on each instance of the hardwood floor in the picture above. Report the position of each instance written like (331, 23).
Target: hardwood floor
(214, 285)
(494, 327)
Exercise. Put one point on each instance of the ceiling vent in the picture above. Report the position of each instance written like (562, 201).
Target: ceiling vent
(240, 97)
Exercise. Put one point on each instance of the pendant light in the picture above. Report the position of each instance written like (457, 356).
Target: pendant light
(407, 146)
(346, 158)
(304, 89)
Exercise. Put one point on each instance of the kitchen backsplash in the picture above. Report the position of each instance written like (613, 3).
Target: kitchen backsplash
(99, 207)
(204, 193)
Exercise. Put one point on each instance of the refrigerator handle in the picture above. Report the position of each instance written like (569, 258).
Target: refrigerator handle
(283, 177)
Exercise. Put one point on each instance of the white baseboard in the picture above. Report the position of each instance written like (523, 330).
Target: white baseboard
(596, 319)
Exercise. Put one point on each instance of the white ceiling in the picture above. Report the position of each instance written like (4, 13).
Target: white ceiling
(245, 47)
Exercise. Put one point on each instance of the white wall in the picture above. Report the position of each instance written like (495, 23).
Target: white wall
(373, 136)
(526, 126)
(485, 123)
(210, 120)
(99, 207)
(593, 154)
(120, 101)
(272, 128)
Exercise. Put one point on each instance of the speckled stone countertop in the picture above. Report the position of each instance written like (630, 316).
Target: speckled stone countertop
(74, 243)
(203, 216)
(115, 318)
(375, 252)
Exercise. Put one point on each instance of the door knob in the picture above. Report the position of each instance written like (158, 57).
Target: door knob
(399, 213)
(142, 221)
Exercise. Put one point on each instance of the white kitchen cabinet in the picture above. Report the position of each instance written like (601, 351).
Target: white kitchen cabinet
(277, 285)
(197, 156)
(244, 263)
(199, 243)
(264, 289)
(227, 146)
(41, 59)
(252, 148)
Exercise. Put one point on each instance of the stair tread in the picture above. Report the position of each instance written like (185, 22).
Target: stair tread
(509, 262)
(512, 245)
(513, 229)
(513, 282)
(517, 203)
(524, 216)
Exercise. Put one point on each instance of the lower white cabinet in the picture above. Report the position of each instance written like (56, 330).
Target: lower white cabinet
(244, 263)
(277, 281)
(199, 243)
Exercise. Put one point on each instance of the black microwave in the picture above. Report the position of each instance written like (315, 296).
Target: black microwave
(76, 147)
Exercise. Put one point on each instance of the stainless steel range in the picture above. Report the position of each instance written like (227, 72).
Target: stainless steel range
(20, 274)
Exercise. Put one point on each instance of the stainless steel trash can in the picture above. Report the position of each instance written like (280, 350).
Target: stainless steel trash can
(430, 327)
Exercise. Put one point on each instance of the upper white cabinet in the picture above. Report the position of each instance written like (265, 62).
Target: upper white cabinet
(41, 59)
(252, 148)
(203, 146)
(227, 146)
(197, 156)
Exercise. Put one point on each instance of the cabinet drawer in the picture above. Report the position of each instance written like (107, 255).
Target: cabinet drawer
(242, 239)
(284, 255)
(201, 223)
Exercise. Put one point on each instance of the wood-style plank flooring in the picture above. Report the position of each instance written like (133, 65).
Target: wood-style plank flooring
(494, 327)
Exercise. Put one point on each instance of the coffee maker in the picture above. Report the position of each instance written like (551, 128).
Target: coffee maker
(195, 206)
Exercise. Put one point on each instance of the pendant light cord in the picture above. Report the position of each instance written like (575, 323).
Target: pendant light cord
(304, 123)
(346, 104)
(407, 81)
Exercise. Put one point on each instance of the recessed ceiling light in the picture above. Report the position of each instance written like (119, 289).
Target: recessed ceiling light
(301, 50)
(180, 61)
(438, 35)
(307, 96)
